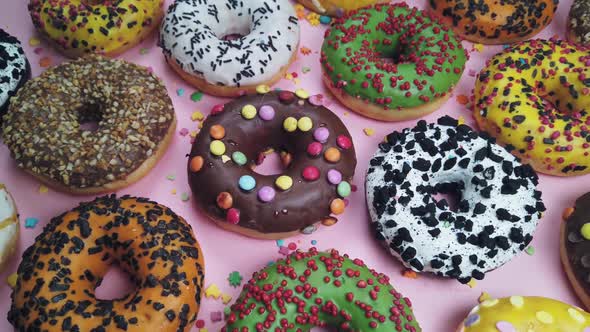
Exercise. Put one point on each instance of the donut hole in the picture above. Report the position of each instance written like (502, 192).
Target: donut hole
(116, 284)
(270, 163)
(448, 194)
(236, 31)
(89, 117)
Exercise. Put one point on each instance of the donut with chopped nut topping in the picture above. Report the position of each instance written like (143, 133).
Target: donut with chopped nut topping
(578, 23)
(90, 126)
(58, 274)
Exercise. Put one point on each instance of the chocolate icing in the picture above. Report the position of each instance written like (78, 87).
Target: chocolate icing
(305, 203)
(576, 246)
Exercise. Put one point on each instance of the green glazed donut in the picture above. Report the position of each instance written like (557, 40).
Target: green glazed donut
(318, 289)
(391, 62)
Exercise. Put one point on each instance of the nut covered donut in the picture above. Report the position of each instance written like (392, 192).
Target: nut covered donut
(575, 246)
(496, 215)
(194, 40)
(14, 69)
(313, 289)
(495, 22)
(46, 134)
(391, 62)
(107, 27)
(60, 271)
(337, 7)
(316, 151)
(534, 98)
(525, 314)
(578, 23)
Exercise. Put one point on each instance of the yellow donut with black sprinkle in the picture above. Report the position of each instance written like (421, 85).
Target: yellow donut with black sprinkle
(534, 98)
(107, 27)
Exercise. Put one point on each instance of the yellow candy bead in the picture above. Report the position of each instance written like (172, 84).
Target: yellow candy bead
(304, 124)
(290, 124)
(301, 93)
(544, 317)
(249, 112)
(262, 89)
(217, 147)
(586, 231)
(284, 182)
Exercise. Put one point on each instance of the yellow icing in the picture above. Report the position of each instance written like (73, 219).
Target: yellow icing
(542, 135)
(526, 314)
(85, 26)
(331, 6)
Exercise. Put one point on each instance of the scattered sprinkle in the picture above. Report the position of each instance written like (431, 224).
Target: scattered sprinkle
(313, 19)
(31, 222)
(200, 324)
(183, 132)
(143, 51)
(325, 19)
(314, 242)
(45, 62)
(212, 292)
(43, 189)
(462, 99)
(184, 197)
(305, 50)
(484, 297)
(461, 120)
(472, 283)
(197, 116)
(34, 41)
(225, 298)
(196, 96)
(284, 251)
(305, 70)
(11, 280)
(410, 274)
(369, 131)
(530, 250)
(173, 191)
(180, 92)
(477, 47)
(280, 243)
(235, 279)
(170, 177)
(471, 72)
(38, 50)
(216, 316)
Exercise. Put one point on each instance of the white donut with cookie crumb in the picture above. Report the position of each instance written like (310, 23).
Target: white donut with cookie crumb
(496, 215)
(9, 227)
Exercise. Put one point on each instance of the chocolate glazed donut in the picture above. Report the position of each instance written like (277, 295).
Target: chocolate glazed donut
(317, 154)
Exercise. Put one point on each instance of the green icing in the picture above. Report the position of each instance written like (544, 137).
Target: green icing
(377, 43)
(320, 289)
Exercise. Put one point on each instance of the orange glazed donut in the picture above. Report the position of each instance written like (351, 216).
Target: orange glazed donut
(60, 271)
(495, 22)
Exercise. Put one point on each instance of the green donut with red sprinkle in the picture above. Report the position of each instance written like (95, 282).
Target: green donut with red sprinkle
(320, 289)
(391, 62)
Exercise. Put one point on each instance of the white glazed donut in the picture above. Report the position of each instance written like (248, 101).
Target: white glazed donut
(192, 40)
(8, 226)
(14, 69)
(496, 216)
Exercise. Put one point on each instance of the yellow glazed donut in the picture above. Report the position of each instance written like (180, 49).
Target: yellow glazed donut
(107, 27)
(337, 7)
(533, 98)
(525, 314)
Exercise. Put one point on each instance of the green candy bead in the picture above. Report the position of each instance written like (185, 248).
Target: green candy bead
(586, 231)
(343, 189)
(239, 158)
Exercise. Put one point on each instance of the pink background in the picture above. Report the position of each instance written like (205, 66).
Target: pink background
(439, 304)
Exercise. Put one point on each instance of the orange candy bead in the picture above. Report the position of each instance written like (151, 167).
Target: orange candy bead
(197, 163)
(225, 200)
(332, 155)
(337, 206)
(217, 131)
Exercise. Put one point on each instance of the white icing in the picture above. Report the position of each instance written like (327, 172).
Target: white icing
(427, 246)
(7, 234)
(192, 30)
(13, 66)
